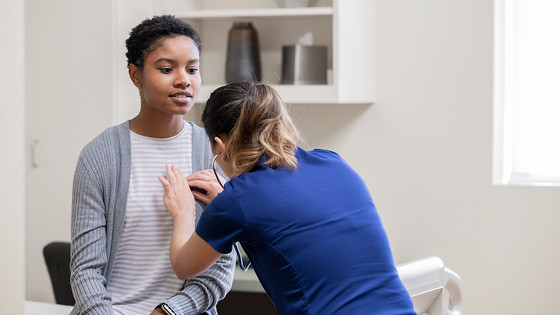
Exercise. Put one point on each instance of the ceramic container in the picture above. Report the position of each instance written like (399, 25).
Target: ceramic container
(302, 64)
(243, 61)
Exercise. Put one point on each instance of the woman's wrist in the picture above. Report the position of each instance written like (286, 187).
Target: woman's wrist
(184, 218)
(183, 227)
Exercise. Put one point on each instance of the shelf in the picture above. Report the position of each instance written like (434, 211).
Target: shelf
(295, 94)
(255, 13)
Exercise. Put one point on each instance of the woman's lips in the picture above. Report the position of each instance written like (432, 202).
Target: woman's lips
(181, 97)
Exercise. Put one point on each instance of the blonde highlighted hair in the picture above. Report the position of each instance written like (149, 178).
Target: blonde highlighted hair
(256, 122)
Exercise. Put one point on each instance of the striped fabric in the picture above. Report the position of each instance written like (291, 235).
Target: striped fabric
(142, 275)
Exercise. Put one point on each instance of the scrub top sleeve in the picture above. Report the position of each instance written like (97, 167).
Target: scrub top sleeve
(221, 223)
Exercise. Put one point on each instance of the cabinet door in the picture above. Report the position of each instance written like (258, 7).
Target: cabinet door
(69, 101)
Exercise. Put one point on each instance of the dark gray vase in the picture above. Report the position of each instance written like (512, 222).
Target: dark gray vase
(243, 60)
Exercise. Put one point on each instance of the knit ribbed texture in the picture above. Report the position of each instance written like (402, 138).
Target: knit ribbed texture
(99, 198)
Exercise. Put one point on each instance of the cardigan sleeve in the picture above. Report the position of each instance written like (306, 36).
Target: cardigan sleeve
(88, 245)
(204, 291)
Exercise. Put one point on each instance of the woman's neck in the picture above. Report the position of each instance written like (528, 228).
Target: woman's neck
(157, 127)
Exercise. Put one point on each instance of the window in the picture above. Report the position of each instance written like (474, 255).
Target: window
(527, 92)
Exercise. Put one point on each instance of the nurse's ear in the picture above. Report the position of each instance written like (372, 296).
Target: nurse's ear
(220, 146)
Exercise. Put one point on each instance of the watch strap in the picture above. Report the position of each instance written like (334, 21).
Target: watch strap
(166, 309)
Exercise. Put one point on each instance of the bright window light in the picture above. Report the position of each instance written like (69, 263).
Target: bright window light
(527, 92)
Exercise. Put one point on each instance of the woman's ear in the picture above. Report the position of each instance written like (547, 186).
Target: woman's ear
(135, 75)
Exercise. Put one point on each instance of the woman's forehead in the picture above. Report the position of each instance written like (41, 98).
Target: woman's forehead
(179, 46)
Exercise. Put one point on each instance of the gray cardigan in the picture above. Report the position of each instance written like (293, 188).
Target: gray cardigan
(99, 198)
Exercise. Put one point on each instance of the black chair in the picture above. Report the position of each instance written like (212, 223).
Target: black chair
(57, 258)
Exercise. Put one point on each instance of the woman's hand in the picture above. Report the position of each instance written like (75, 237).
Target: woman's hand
(206, 180)
(177, 195)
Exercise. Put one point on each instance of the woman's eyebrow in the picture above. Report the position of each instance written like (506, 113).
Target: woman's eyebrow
(196, 60)
(166, 60)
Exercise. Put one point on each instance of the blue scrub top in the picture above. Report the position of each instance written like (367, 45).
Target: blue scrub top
(313, 236)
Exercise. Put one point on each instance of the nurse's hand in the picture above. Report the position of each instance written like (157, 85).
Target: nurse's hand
(206, 180)
(177, 195)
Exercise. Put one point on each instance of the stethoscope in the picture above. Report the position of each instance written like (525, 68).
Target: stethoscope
(239, 257)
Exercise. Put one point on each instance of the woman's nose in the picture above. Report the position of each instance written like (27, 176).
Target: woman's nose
(183, 79)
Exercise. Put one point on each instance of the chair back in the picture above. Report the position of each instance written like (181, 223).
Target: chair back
(57, 259)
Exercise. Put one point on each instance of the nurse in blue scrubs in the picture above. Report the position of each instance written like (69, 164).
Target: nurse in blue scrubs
(305, 218)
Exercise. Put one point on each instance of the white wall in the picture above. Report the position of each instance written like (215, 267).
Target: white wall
(12, 129)
(425, 150)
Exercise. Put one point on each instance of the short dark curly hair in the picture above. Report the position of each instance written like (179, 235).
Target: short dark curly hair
(147, 36)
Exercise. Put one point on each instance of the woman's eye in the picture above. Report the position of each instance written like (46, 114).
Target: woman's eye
(166, 70)
(193, 70)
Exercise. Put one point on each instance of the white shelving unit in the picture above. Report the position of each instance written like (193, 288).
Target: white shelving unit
(258, 13)
(346, 27)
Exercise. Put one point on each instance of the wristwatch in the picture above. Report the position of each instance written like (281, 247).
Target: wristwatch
(166, 309)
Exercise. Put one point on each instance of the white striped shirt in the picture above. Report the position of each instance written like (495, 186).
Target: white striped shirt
(142, 276)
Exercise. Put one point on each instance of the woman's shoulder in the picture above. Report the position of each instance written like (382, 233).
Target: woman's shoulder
(198, 132)
(111, 139)
(201, 153)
